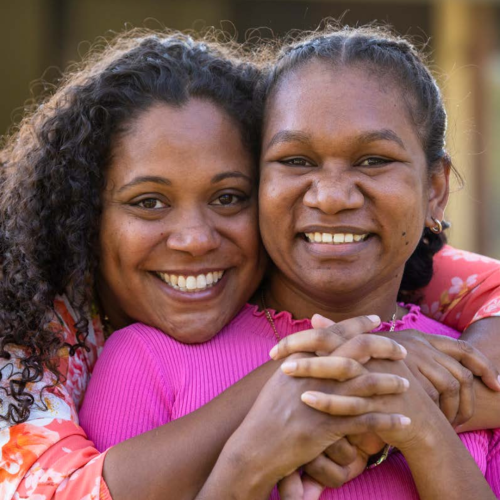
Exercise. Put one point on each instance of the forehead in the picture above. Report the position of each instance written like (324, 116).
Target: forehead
(319, 95)
(174, 138)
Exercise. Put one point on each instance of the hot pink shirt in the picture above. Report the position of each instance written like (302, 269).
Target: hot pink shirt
(145, 379)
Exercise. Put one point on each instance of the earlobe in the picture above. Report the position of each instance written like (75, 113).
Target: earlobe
(439, 190)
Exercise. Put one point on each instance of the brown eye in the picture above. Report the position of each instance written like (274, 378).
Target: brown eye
(226, 199)
(151, 203)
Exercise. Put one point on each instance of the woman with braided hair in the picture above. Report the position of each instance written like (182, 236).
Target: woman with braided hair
(84, 245)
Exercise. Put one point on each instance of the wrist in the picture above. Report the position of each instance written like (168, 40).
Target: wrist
(243, 473)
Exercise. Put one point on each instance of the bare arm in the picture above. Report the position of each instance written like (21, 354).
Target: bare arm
(178, 457)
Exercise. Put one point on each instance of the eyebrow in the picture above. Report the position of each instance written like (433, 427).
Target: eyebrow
(143, 179)
(166, 182)
(231, 175)
(284, 136)
(386, 134)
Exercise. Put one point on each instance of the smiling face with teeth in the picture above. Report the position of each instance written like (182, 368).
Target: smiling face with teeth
(180, 248)
(345, 191)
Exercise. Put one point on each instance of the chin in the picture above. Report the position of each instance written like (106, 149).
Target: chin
(190, 334)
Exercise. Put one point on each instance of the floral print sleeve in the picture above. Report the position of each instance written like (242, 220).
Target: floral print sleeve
(49, 456)
(465, 288)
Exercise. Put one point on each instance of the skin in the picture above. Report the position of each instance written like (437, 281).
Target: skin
(162, 220)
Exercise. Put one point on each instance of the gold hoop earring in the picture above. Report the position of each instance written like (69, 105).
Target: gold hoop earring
(438, 228)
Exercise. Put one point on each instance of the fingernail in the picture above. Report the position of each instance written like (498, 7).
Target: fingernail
(406, 382)
(308, 397)
(498, 378)
(289, 366)
(273, 353)
(405, 421)
(374, 318)
(403, 350)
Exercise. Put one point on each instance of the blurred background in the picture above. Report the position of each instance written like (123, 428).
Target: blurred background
(39, 38)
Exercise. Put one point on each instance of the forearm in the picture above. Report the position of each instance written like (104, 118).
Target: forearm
(174, 460)
(233, 479)
(459, 477)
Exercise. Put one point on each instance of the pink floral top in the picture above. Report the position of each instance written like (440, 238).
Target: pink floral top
(49, 457)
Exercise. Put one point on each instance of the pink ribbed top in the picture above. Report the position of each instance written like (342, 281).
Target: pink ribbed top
(144, 379)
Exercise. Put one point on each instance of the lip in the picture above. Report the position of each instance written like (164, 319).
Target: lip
(190, 297)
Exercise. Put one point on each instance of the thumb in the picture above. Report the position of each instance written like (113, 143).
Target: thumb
(319, 321)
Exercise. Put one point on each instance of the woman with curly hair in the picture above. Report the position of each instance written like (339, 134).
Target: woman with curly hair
(64, 274)
(155, 136)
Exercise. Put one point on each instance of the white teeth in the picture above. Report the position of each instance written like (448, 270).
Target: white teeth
(335, 238)
(191, 283)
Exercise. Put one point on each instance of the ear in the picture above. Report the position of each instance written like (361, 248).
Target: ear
(439, 191)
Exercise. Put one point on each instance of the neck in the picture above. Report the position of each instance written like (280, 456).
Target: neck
(282, 295)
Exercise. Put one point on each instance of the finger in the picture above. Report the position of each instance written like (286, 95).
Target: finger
(312, 489)
(290, 487)
(375, 384)
(467, 394)
(446, 385)
(431, 391)
(473, 359)
(324, 340)
(368, 422)
(365, 347)
(342, 452)
(318, 321)
(327, 472)
(306, 341)
(327, 367)
(367, 444)
(339, 405)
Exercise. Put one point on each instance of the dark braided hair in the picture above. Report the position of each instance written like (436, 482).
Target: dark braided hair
(53, 171)
(386, 54)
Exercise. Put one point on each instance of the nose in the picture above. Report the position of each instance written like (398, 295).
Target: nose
(194, 235)
(333, 193)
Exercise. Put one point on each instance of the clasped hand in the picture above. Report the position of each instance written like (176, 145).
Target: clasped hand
(444, 367)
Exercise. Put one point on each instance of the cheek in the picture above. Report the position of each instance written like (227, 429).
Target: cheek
(277, 198)
(125, 242)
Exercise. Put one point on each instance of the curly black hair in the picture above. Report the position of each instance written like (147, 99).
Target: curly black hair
(53, 171)
(385, 53)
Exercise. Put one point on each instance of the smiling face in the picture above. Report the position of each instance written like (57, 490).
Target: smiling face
(179, 242)
(345, 191)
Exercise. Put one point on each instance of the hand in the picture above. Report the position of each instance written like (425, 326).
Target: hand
(414, 402)
(279, 425)
(325, 334)
(446, 367)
